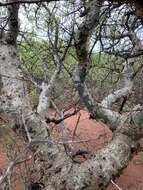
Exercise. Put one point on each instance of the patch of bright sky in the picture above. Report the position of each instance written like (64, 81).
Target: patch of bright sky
(65, 20)
(61, 11)
(28, 26)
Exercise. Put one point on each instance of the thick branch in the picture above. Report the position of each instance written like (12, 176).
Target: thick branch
(125, 54)
(14, 98)
(127, 74)
(12, 22)
(44, 98)
(25, 1)
(81, 44)
(96, 172)
(83, 34)
(104, 166)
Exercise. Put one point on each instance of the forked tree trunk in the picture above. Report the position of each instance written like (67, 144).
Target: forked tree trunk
(63, 173)
(14, 100)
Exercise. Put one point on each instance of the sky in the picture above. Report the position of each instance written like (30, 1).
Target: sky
(27, 26)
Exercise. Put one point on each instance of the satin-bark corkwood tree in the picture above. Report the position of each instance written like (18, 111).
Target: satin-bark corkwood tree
(62, 172)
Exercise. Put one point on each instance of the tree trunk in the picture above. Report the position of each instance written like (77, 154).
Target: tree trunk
(14, 100)
(62, 172)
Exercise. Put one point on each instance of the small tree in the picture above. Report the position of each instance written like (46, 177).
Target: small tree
(62, 173)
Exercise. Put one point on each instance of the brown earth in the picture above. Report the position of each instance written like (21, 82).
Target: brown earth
(95, 135)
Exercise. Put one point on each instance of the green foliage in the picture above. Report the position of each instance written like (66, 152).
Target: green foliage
(34, 97)
(34, 56)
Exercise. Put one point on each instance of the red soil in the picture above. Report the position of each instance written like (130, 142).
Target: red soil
(98, 135)
(132, 176)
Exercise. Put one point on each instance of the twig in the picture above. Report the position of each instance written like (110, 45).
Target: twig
(119, 188)
(66, 116)
(75, 128)
(26, 129)
(13, 164)
(37, 141)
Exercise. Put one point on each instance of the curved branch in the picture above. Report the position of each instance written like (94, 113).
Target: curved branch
(81, 45)
(127, 74)
(104, 166)
(95, 173)
(83, 34)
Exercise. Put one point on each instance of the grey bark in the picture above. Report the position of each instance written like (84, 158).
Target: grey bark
(63, 173)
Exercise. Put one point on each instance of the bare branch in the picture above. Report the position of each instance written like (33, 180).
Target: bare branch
(13, 26)
(119, 188)
(127, 74)
(57, 121)
(18, 160)
(44, 98)
(26, 1)
(94, 173)
(82, 37)
(125, 54)
(26, 129)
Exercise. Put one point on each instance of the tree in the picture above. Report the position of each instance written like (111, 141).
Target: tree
(62, 172)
